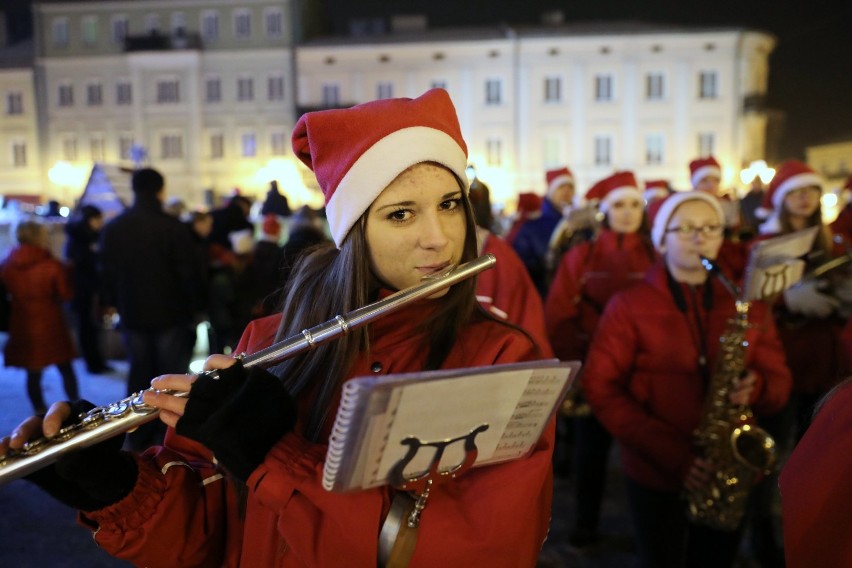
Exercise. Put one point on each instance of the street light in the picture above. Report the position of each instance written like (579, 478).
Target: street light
(757, 169)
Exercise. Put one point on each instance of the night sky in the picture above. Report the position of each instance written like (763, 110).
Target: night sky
(810, 70)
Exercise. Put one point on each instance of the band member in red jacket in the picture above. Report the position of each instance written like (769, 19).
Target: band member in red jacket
(647, 373)
(393, 175)
(589, 274)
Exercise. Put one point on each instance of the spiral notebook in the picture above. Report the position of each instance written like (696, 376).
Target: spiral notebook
(376, 413)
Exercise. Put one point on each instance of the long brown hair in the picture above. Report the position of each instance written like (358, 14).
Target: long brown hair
(822, 249)
(327, 282)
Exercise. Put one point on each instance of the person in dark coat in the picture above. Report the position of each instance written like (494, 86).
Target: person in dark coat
(275, 202)
(38, 334)
(231, 218)
(150, 277)
(81, 252)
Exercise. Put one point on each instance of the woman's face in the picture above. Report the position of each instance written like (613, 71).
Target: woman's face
(625, 215)
(416, 226)
(802, 202)
(694, 230)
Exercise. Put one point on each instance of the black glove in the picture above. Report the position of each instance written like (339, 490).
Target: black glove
(239, 416)
(91, 478)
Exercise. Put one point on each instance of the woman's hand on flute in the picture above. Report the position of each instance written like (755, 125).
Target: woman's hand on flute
(172, 407)
(36, 427)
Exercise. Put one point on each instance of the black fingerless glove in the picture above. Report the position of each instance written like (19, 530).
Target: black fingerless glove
(91, 478)
(239, 416)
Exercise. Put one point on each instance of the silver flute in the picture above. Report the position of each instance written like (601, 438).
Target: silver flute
(129, 413)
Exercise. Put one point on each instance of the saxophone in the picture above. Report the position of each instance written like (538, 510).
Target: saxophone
(726, 434)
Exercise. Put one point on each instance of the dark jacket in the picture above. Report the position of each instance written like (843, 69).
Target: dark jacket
(81, 252)
(532, 241)
(150, 272)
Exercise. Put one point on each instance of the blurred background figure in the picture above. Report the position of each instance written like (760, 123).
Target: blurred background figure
(266, 267)
(275, 202)
(306, 230)
(82, 254)
(231, 218)
(656, 190)
(175, 206)
(39, 336)
(529, 207)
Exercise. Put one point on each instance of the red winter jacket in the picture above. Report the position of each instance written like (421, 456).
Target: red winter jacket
(588, 275)
(642, 376)
(508, 292)
(182, 512)
(38, 285)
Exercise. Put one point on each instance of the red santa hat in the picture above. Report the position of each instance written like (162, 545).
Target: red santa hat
(529, 204)
(619, 185)
(357, 152)
(789, 176)
(703, 167)
(666, 209)
(656, 189)
(271, 225)
(557, 177)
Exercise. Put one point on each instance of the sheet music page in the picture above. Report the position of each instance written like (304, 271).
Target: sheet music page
(496, 396)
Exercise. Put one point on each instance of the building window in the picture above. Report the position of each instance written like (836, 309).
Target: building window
(125, 143)
(248, 143)
(120, 25)
(275, 88)
(278, 143)
(330, 95)
(245, 89)
(438, 84)
(551, 153)
(213, 90)
(242, 24)
(494, 152)
(152, 24)
(94, 94)
(168, 91)
(274, 22)
(89, 30)
(708, 85)
(97, 148)
(123, 93)
(60, 32)
(493, 92)
(654, 86)
(384, 91)
(178, 21)
(706, 143)
(603, 150)
(654, 150)
(217, 146)
(603, 88)
(19, 154)
(171, 147)
(210, 25)
(552, 89)
(14, 103)
(69, 149)
(66, 95)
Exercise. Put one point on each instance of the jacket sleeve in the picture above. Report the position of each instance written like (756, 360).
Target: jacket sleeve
(769, 363)
(561, 312)
(607, 386)
(469, 521)
(179, 514)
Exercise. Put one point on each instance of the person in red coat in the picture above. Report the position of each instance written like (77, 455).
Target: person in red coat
(393, 175)
(647, 374)
(815, 488)
(38, 333)
(588, 276)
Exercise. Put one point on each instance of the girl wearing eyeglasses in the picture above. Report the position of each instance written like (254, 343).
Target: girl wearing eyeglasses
(646, 377)
(587, 277)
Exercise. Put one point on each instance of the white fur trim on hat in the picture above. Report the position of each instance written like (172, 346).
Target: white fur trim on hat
(703, 172)
(622, 192)
(771, 226)
(804, 179)
(381, 163)
(671, 203)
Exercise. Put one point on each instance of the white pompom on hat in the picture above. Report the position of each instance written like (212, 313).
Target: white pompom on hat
(667, 207)
(357, 152)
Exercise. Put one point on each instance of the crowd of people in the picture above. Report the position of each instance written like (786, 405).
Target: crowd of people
(638, 281)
